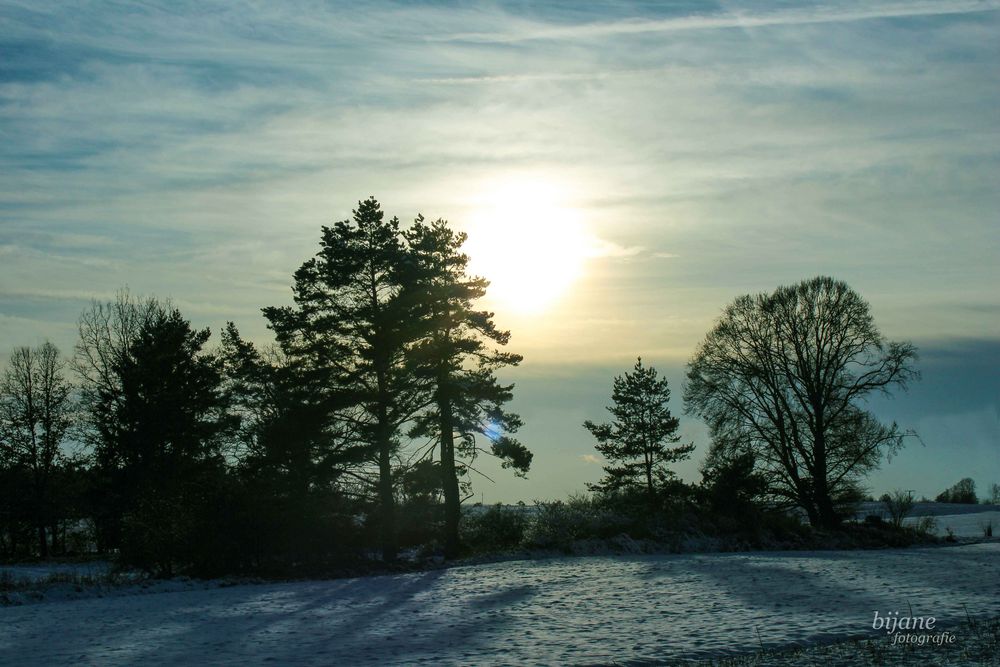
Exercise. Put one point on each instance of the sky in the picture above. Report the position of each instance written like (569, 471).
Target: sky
(624, 170)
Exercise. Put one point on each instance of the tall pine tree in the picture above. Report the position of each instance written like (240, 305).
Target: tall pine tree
(351, 323)
(457, 355)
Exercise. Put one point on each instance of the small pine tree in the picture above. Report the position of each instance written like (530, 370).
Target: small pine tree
(636, 443)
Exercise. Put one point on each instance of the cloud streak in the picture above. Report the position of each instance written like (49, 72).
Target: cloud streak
(193, 151)
(744, 20)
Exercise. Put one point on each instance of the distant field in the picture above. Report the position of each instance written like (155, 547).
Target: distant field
(931, 509)
(963, 520)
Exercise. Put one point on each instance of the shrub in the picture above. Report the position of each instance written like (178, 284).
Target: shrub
(558, 524)
(733, 490)
(496, 528)
(926, 525)
(898, 505)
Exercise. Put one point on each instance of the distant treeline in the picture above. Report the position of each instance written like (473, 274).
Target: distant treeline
(356, 433)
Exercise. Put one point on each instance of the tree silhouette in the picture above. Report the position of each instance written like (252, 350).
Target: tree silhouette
(636, 443)
(351, 324)
(782, 375)
(35, 414)
(287, 416)
(156, 417)
(294, 450)
(456, 356)
(964, 491)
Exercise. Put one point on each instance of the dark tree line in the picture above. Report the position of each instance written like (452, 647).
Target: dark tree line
(383, 373)
(359, 427)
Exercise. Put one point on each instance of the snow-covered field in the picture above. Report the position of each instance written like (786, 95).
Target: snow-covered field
(41, 571)
(964, 520)
(593, 610)
(963, 525)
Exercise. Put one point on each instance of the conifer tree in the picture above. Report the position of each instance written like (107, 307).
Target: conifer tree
(294, 447)
(458, 357)
(350, 324)
(156, 420)
(637, 442)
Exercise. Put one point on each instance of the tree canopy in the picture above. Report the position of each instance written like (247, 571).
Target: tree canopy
(458, 355)
(384, 322)
(35, 415)
(784, 376)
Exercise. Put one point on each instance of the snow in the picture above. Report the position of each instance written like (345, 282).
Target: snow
(965, 520)
(927, 509)
(963, 525)
(26, 572)
(591, 610)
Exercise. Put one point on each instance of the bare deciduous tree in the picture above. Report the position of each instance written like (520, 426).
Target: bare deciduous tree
(35, 414)
(784, 375)
(899, 504)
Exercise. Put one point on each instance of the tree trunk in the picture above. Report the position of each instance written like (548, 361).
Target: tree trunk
(811, 513)
(387, 502)
(449, 479)
(650, 489)
(827, 515)
(43, 542)
(387, 499)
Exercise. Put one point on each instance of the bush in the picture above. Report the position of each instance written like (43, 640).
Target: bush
(497, 528)
(558, 524)
(926, 525)
(898, 505)
(419, 522)
(734, 491)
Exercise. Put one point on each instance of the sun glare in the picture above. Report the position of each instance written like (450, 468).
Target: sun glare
(528, 242)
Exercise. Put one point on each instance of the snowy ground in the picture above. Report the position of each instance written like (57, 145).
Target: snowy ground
(630, 609)
(40, 571)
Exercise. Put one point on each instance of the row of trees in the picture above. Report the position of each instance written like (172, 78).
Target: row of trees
(382, 384)
(964, 491)
(382, 388)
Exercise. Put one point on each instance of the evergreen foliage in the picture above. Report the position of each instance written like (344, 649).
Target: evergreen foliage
(352, 327)
(156, 417)
(457, 358)
(637, 442)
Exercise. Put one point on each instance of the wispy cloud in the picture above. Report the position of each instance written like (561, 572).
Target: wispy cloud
(193, 150)
(737, 19)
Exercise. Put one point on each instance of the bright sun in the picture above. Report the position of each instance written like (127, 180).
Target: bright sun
(528, 242)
